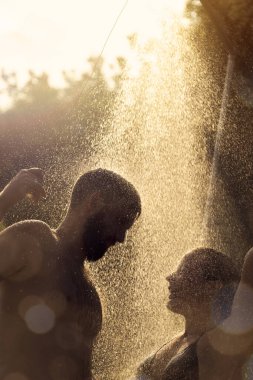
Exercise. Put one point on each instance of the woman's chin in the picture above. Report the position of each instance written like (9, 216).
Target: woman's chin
(175, 305)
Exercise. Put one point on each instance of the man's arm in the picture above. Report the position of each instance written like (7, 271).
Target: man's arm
(28, 182)
(20, 252)
(221, 350)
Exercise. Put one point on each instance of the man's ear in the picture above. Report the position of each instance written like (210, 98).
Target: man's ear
(95, 202)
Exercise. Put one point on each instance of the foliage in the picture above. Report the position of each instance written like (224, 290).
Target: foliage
(49, 127)
(56, 129)
(193, 9)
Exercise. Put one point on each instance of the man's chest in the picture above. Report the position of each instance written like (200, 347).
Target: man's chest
(53, 298)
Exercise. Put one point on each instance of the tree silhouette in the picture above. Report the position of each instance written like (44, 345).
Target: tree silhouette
(50, 127)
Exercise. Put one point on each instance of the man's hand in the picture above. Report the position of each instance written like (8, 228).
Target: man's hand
(27, 183)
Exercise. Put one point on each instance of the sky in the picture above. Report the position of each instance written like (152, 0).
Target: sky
(56, 35)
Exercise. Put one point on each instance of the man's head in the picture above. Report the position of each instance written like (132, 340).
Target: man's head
(115, 205)
(203, 276)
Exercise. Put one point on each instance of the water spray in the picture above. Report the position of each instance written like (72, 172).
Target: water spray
(232, 20)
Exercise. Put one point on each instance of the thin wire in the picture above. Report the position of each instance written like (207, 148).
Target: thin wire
(84, 86)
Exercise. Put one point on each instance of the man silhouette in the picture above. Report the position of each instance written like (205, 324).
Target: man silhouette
(50, 310)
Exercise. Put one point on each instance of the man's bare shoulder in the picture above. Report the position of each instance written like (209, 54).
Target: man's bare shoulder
(23, 247)
(36, 229)
(27, 235)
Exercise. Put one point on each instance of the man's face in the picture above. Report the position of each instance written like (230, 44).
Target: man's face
(104, 229)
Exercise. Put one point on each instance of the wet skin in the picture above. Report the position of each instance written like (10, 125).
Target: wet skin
(51, 312)
(192, 291)
(186, 291)
(187, 287)
(105, 229)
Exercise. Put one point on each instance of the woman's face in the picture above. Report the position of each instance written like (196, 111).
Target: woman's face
(188, 286)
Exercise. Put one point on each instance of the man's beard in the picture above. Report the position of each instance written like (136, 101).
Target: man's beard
(94, 241)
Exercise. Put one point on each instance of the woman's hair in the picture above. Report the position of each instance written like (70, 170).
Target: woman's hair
(216, 266)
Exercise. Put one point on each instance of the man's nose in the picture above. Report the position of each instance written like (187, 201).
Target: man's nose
(121, 235)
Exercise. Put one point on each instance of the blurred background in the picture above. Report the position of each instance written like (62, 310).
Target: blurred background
(57, 91)
(135, 87)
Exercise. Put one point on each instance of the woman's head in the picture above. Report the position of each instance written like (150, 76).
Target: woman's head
(201, 278)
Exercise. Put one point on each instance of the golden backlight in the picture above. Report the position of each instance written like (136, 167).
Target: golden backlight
(55, 35)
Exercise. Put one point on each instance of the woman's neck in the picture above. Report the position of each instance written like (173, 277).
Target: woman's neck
(198, 326)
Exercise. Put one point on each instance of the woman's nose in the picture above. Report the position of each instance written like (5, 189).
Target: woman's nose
(170, 277)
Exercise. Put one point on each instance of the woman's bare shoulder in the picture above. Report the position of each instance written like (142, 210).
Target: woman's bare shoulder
(154, 364)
